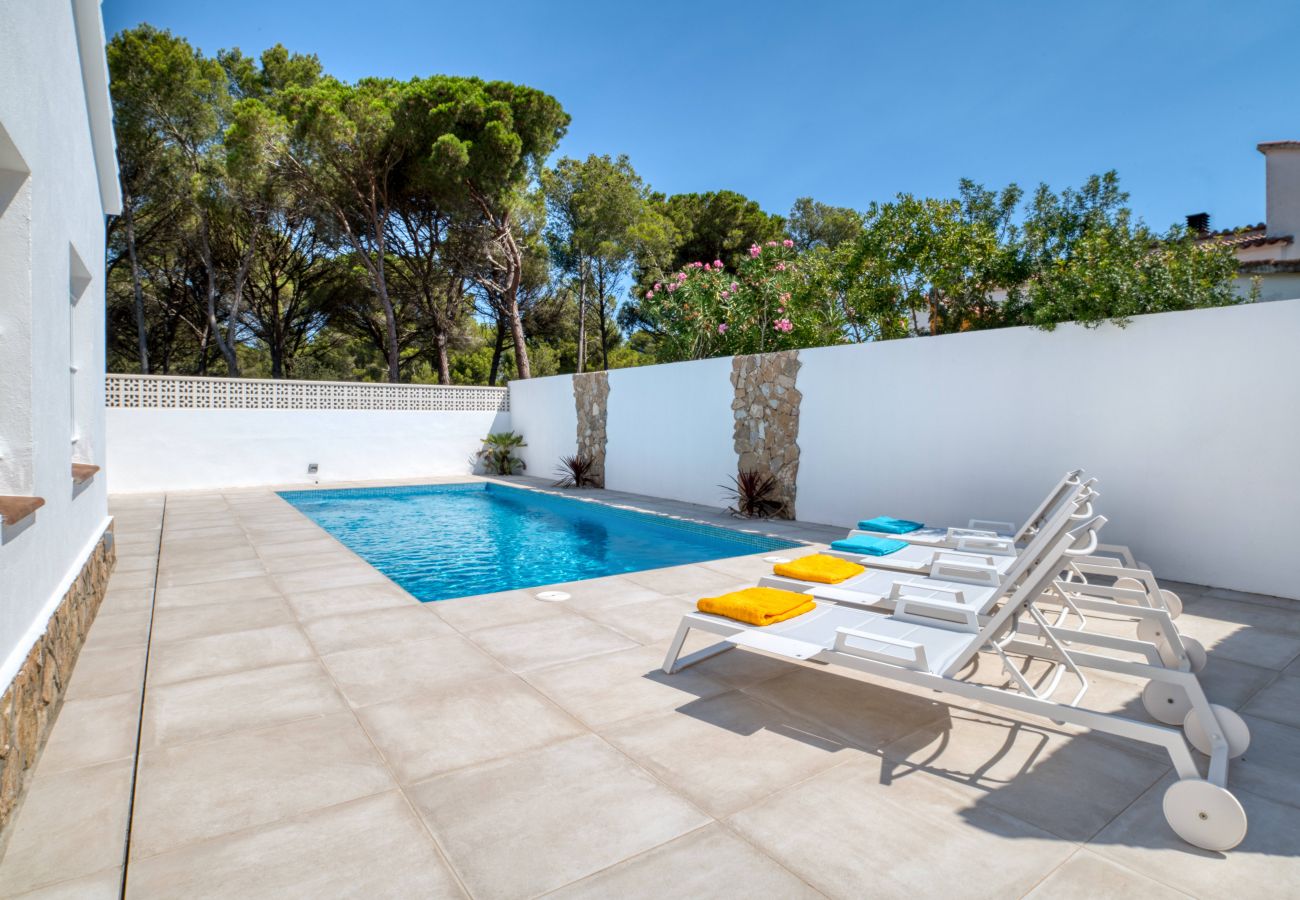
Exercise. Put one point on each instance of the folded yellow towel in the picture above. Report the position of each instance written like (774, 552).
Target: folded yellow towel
(758, 605)
(819, 567)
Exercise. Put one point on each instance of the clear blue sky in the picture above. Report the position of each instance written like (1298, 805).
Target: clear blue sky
(845, 102)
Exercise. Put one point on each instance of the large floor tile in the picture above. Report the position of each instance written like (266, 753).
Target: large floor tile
(182, 623)
(1269, 767)
(252, 588)
(206, 707)
(105, 884)
(203, 789)
(546, 642)
(1087, 876)
(93, 731)
(100, 673)
(333, 575)
(729, 751)
(867, 714)
(692, 581)
(495, 610)
(125, 600)
(215, 573)
(220, 654)
(645, 621)
(374, 847)
(1265, 865)
(324, 600)
(113, 630)
(375, 628)
(612, 687)
(600, 593)
(412, 669)
(70, 824)
(465, 724)
(1070, 786)
(1279, 702)
(851, 836)
(578, 807)
(708, 863)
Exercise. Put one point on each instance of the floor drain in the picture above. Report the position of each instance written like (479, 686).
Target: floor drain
(553, 596)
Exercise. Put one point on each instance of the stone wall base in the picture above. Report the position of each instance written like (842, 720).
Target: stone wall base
(32, 702)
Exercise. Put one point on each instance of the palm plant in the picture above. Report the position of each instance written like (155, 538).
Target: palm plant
(498, 453)
(576, 471)
(754, 494)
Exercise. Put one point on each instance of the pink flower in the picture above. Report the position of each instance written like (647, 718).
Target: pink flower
(649, 295)
(787, 243)
(725, 295)
(780, 267)
(722, 329)
(734, 287)
(717, 264)
(784, 325)
(754, 250)
(785, 298)
(697, 265)
(681, 276)
(656, 285)
(771, 243)
(780, 310)
(671, 287)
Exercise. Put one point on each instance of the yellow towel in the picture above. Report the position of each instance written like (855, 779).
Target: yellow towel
(758, 605)
(819, 567)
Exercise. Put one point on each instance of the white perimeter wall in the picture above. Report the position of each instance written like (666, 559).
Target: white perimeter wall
(1190, 420)
(194, 449)
(47, 214)
(547, 419)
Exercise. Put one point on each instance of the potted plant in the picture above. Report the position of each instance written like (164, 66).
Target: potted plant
(498, 453)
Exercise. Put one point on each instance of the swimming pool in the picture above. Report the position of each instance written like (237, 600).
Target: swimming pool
(455, 540)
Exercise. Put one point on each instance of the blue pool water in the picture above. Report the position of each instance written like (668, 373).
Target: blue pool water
(444, 541)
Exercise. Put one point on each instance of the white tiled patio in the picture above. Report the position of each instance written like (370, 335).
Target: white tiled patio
(310, 730)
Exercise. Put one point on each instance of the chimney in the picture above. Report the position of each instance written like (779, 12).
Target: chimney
(1198, 223)
(1282, 178)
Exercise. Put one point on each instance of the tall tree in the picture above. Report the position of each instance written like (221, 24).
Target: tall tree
(486, 141)
(598, 207)
(814, 224)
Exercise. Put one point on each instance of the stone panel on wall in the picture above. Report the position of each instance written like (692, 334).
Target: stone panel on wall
(766, 419)
(591, 398)
(32, 701)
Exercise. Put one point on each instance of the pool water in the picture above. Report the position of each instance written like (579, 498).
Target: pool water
(444, 541)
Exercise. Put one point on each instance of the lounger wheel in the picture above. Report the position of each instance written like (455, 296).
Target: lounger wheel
(1173, 603)
(1129, 584)
(1166, 703)
(1153, 632)
(1205, 815)
(1234, 728)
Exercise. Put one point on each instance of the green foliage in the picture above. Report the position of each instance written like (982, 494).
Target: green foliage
(753, 493)
(498, 453)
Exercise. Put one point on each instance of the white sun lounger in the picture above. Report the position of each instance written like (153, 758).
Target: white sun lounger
(950, 538)
(912, 647)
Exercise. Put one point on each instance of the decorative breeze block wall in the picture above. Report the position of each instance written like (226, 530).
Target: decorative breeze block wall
(179, 392)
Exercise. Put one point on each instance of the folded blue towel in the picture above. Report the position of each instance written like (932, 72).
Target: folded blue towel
(890, 525)
(868, 546)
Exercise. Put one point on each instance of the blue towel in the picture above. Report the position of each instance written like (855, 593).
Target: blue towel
(868, 546)
(890, 525)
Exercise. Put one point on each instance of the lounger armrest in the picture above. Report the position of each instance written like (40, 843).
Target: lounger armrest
(964, 556)
(977, 543)
(926, 609)
(968, 569)
(955, 534)
(917, 661)
(1118, 550)
(896, 591)
(992, 525)
(1092, 565)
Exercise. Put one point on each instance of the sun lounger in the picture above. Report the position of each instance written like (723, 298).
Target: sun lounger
(911, 646)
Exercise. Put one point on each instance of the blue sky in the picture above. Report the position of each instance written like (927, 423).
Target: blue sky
(845, 102)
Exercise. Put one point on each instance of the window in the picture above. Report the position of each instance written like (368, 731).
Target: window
(16, 444)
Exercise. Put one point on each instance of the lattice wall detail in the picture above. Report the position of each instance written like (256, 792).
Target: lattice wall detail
(183, 392)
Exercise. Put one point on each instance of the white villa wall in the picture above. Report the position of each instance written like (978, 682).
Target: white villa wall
(542, 410)
(53, 74)
(1190, 420)
(670, 431)
(196, 449)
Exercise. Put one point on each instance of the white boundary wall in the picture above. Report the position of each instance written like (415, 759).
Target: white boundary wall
(1191, 421)
(170, 434)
